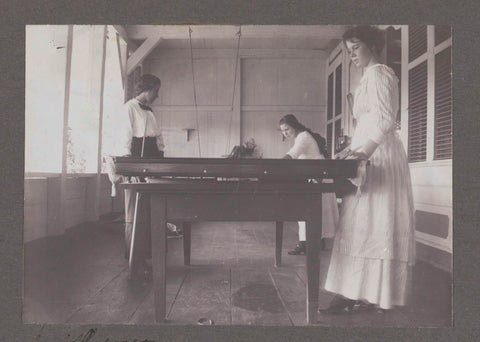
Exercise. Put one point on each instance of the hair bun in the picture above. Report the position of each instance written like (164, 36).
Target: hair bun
(372, 36)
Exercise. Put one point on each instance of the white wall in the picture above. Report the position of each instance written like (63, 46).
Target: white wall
(267, 87)
(175, 107)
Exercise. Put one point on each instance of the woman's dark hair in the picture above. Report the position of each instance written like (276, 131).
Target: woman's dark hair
(146, 82)
(292, 121)
(372, 36)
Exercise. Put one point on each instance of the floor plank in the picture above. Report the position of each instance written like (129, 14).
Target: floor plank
(81, 277)
(115, 303)
(205, 293)
(255, 299)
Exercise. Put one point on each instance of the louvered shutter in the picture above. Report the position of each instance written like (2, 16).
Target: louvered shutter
(417, 41)
(338, 90)
(443, 105)
(442, 33)
(330, 97)
(417, 113)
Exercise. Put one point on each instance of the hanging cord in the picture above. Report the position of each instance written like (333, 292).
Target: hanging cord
(194, 92)
(239, 34)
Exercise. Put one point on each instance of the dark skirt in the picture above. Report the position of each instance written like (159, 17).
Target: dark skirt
(150, 149)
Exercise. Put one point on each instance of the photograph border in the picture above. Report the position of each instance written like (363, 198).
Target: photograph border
(462, 15)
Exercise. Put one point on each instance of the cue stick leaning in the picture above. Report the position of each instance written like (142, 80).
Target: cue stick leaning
(137, 199)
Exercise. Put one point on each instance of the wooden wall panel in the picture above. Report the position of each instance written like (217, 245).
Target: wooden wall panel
(429, 194)
(75, 187)
(301, 82)
(213, 79)
(433, 175)
(432, 193)
(175, 110)
(35, 191)
(283, 82)
(74, 209)
(259, 82)
(35, 209)
(177, 82)
(53, 203)
(35, 221)
(213, 129)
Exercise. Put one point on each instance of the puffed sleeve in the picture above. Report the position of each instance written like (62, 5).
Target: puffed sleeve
(299, 146)
(383, 97)
(123, 138)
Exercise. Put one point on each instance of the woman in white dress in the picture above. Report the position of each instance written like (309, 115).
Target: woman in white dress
(374, 247)
(309, 145)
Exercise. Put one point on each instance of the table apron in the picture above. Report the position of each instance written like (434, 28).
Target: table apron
(242, 207)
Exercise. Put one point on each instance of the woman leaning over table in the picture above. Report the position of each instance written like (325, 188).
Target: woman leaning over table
(309, 145)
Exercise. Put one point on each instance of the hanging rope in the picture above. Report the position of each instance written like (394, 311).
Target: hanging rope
(239, 34)
(194, 92)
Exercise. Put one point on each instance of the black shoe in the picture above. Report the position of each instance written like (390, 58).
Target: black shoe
(299, 249)
(323, 243)
(364, 306)
(141, 271)
(338, 306)
(173, 231)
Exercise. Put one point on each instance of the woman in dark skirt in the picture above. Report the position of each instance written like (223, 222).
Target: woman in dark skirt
(136, 122)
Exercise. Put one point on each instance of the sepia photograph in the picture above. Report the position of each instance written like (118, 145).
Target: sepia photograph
(238, 175)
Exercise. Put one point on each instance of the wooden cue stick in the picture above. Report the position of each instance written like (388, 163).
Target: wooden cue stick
(137, 199)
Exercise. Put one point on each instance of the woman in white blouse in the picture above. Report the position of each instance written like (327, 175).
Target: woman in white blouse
(137, 121)
(308, 145)
(374, 246)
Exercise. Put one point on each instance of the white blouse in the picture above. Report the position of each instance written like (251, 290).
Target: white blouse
(305, 147)
(132, 123)
(375, 105)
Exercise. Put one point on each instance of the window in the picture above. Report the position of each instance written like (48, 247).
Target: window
(443, 105)
(338, 90)
(45, 65)
(442, 33)
(429, 93)
(417, 119)
(334, 99)
(330, 97)
(329, 137)
(417, 41)
(45, 98)
(85, 96)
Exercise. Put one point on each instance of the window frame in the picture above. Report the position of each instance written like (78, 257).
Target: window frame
(429, 56)
(336, 59)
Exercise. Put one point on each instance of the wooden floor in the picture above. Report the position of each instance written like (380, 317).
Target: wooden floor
(81, 277)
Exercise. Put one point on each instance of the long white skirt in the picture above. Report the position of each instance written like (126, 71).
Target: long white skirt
(329, 218)
(382, 282)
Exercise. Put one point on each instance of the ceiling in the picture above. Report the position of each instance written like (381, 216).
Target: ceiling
(309, 37)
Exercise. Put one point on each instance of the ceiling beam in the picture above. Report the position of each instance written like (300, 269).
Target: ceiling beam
(123, 33)
(230, 31)
(142, 52)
